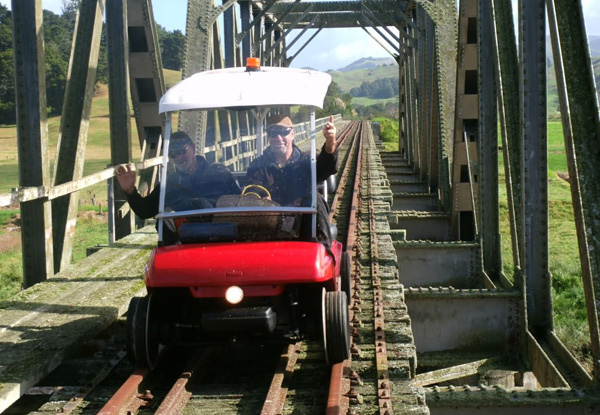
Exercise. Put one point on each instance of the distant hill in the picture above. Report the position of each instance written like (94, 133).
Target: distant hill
(362, 71)
(368, 63)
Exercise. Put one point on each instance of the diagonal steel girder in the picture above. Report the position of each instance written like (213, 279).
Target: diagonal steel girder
(380, 9)
(581, 125)
(399, 48)
(396, 53)
(32, 139)
(282, 38)
(300, 49)
(257, 20)
(268, 32)
(74, 126)
(338, 14)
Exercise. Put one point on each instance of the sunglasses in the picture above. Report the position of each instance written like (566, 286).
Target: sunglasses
(273, 132)
(178, 153)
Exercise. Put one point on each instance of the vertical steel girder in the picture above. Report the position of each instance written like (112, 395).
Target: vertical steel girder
(534, 174)
(414, 121)
(246, 41)
(425, 97)
(229, 31)
(510, 108)
(432, 117)
(467, 139)
(488, 148)
(443, 13)
(250, 22)
(118, 92)
(402, 147)
(32, 139)
(201, 18)
(581, 125)
(72, 139)
(408, 104)
(147, 85)
(224, 121)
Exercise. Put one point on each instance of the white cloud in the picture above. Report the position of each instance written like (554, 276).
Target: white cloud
(335, 48)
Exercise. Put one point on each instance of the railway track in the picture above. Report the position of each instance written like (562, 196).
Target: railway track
(287, 387)
(276, 378)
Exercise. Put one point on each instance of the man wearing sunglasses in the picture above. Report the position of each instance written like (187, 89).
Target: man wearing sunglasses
(194, 184)
(284, 169)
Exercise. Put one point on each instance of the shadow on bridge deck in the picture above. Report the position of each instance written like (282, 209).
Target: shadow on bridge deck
(41, 325)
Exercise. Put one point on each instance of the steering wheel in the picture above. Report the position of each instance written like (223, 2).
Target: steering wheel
(257, 186)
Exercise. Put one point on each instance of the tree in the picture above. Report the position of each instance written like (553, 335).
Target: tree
(335, 102)
(56, 80)
(172, 46)
(7, 88)
(69, 9)
(58, 38)
(379, 88)
(7, 75)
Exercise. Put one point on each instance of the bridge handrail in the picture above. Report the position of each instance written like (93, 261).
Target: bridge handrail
(26, 194)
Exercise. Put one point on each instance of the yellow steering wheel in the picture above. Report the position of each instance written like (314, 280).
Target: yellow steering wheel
(251, 186)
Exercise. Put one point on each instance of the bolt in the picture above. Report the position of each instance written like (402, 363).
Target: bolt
(352, 393)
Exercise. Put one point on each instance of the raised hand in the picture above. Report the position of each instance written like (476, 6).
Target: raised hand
(329, 132)
(126, 178)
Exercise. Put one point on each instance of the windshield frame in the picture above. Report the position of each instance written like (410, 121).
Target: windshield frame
(260, 115)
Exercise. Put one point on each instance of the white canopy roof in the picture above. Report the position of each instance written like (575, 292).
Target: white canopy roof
(234, 87)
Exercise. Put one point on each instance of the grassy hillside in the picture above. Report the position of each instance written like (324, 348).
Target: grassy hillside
(352, 79)
(171, 77)
(97, 154)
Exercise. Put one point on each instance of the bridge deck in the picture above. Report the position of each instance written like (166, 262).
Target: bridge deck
(41, 325)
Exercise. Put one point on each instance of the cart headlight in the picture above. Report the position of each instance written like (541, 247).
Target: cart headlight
(234, 294)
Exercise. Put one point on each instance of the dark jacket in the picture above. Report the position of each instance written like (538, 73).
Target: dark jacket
(203, 187)
(292, 181)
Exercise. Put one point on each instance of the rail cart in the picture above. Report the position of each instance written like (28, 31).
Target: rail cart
(244, 266)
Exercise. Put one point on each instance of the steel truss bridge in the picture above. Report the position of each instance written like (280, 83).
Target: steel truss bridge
(467, 75)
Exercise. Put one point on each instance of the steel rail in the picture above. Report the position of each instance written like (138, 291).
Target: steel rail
(350, 131)
(336, 399)
(178, 396)
(128, 399)
(384, 391)
(74, 402)
(278, 390)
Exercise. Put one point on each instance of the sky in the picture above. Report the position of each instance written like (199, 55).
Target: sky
(330, 49)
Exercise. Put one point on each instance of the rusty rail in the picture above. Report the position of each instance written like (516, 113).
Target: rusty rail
(337, 400)
(283, 373)
(128, 398)
(178, 396)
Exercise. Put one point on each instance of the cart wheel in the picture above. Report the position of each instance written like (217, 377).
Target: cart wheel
(336, 329)
(143, 346)
(346, 276)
